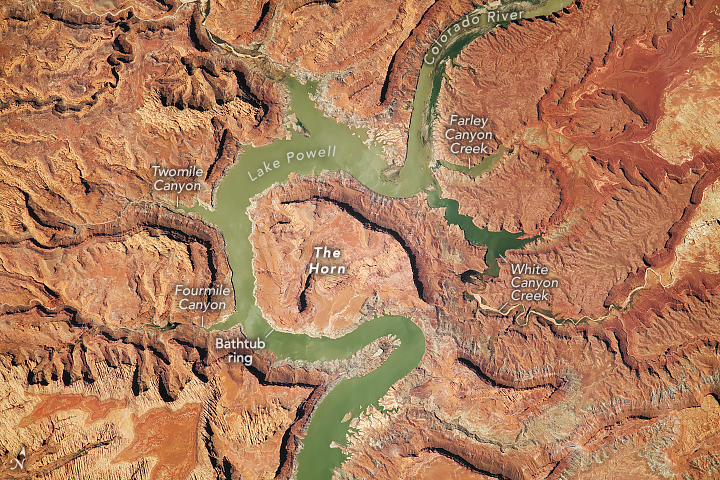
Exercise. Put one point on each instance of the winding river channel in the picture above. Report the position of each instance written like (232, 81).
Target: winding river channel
(360, 158)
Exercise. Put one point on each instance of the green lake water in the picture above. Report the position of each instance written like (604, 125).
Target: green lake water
(236, 189)
(316, 460)
(497, 242)
(487, 164)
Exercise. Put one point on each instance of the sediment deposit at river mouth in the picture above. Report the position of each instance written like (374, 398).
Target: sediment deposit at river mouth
(626, 200)
(626, 229)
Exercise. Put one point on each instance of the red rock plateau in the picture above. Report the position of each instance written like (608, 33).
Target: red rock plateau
(93, 99)
(609, 111)
(606, 108)
(98, 359)
(102, 402)
(366, 59)
(520, 194)
(285, 237)
(592, 168)
(173, 104)
(298, 216)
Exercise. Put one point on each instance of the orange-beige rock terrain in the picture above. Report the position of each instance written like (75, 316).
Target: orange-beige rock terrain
(607, 377)
(101, 105)
(316, 265)
(608, 113)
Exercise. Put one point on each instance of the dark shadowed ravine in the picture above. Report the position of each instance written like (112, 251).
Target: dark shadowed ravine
(355, 155)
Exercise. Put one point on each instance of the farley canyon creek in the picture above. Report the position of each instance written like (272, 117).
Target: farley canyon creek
(334, 147)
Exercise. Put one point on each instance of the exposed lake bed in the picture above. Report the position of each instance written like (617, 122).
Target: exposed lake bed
(327, 145)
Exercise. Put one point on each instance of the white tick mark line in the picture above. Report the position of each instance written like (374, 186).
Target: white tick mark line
(269, 333)
(503, 257)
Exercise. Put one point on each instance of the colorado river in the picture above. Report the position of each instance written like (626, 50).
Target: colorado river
(317, 459)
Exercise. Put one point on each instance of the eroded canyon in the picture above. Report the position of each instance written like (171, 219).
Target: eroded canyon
(120, 121)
